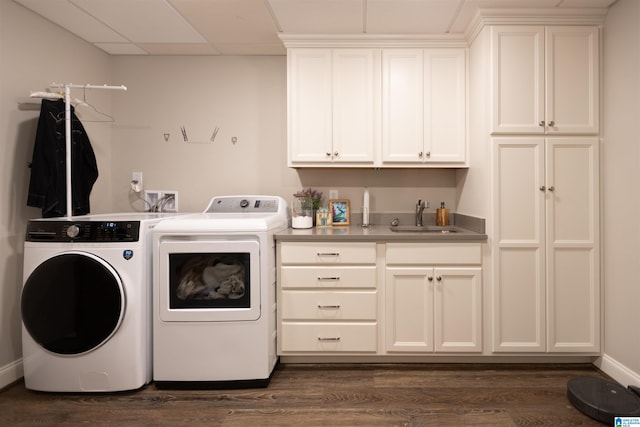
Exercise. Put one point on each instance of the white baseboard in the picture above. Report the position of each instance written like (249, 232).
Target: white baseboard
(617, 371)
(10, 373)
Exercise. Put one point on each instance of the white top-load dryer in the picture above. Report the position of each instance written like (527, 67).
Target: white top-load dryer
(214, 319)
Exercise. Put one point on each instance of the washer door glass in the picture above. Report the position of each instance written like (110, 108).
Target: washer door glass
(72, 303)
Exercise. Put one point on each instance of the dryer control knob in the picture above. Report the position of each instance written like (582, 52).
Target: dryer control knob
(244, 203)
(73, 231)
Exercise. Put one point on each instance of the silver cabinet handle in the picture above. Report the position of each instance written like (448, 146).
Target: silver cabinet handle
(439, 278)
(541, 124)
(420, 154)
(430, 278)
(428, 154)
(543, 188)
(335, 154)
(552, 188)
(329, 339)
(329, 307)
(328, 253)
(333, 279)
(327, 154)
(552, 123)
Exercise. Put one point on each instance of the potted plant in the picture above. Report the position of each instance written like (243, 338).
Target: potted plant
(310, 193)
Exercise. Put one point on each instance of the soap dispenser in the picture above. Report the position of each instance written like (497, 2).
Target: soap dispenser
(442, 215)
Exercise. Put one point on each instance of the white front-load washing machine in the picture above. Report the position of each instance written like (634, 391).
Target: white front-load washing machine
(86, 315)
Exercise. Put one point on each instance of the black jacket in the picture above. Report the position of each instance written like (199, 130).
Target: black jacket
(47, 188)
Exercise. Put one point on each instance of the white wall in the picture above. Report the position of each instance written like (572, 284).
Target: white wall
(33, 54)
(246, 98)
(621, 176)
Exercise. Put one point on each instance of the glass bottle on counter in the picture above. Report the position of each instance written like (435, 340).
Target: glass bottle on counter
(302, 212)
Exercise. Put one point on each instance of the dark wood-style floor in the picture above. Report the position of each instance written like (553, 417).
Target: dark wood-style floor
(328, 395)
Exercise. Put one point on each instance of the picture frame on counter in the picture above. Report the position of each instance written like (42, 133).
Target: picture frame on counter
(340, 211)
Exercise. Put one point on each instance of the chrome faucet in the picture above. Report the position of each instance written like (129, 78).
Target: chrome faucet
(419, 208)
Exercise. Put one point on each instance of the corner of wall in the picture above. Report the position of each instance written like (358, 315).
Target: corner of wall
(11, 373)
(617, 371)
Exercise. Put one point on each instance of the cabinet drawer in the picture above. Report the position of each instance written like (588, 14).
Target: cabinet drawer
(328, 337)
(328, 277)
(327, 305)
(433, 253)
(328, 253)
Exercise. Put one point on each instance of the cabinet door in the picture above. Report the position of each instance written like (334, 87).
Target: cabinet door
(546, 290)
(517, 57)
(519, 250)
(457, 310)
(445, 105)
(402, 105)
(355, 104)
(573, 285)
(309, 107)
(409, 310)
(572, 80)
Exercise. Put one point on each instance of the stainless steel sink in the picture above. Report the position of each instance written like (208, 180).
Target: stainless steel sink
(422, 229)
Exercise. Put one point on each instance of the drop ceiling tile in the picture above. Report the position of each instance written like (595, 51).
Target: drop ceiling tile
(179, 48)
(143, 21)
(121, 48)
(410, 16)
(319, 16)
(73, 19)
(230, 21)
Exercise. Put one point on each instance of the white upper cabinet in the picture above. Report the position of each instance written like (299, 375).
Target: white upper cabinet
(333, 105)
(400, 104)
(545, 79)
(309, 96)
(355, 104)
(403, 105)
(423, 106)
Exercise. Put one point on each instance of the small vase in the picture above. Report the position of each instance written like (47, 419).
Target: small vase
(301, 212)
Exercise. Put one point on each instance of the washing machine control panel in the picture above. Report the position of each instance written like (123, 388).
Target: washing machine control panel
(83, 231)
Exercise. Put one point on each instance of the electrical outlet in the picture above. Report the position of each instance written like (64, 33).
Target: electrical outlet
(333, 194)
(161, 201)
(136, 181)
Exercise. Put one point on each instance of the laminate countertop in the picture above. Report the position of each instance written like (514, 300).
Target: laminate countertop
(462, 228)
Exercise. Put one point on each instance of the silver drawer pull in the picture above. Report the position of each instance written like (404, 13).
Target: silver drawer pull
(329, 307)
(329, 339)
(328, 254)
(333, 279)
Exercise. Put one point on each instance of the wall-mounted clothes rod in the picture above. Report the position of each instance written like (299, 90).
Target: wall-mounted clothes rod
(67, 128)
(86, 86)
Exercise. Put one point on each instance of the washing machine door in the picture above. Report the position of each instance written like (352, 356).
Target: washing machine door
(73, 303)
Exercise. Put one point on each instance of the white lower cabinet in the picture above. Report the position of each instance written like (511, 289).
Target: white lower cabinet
(342, 298)
(433, 308)
(327, 298)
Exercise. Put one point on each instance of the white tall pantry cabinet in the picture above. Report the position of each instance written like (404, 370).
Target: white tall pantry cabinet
(546, 284)
(544, 125)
